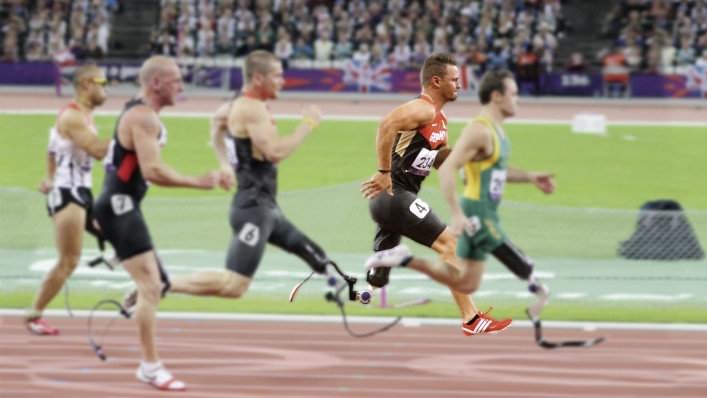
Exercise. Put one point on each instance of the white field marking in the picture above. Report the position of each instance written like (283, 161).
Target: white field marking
(371, 319)
(645, 297)
(371, 118)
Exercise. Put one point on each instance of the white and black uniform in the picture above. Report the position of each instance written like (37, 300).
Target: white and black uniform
(256, 218)
(72, 178)
(117, 209)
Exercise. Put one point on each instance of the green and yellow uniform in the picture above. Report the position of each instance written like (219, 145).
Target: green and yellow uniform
(485, 181)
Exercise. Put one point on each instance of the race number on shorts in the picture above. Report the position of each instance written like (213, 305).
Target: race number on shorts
(250, 234)
(121, 204)
(419, 208)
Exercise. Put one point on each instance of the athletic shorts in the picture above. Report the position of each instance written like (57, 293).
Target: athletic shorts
(484, 236)
(403, 214)
(255, 226)
(123, 225)
(60, 197)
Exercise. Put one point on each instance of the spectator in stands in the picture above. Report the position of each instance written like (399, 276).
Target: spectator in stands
(685, 54)
(362, 54)
(283, 47)
(323, 46)
(702, 61)
(343, 49)
(302, 49)
(576, 63)
(615, 73)
(528, 69)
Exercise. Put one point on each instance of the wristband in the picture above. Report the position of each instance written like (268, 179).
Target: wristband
(310, 122)
(384, 171)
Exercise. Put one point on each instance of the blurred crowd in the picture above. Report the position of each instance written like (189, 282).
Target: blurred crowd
(483, 33)
(63, 30)
(657, 36)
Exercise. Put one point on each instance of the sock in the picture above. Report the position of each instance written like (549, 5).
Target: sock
(473, 319)
(150, 367)
(33, 315)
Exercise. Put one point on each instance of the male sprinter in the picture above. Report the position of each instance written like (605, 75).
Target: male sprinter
(133, 160)
(483, 151)
(411, 140)
(73, 144)
(251, 145)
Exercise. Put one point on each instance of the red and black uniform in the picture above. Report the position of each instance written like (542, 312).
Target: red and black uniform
(117, 209)
(405, 214)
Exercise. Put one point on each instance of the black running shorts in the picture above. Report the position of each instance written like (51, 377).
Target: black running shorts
(123, 225)
(403, 214)
(255, 226)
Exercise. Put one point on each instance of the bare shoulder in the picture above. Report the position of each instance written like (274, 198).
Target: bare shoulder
(412, 114)
(141, 117)
(71, 118)
(222, 111)
(247, 111)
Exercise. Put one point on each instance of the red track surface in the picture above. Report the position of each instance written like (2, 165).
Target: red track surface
(274, 359)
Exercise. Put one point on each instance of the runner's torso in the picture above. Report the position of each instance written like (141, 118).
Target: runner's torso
(486, 179)
(414, 152)
(123, 173)
(73, 164)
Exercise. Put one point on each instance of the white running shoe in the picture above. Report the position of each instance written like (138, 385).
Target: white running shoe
(161, 379)
(398, 256)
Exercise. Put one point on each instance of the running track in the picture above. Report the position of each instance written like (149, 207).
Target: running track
(220, 359)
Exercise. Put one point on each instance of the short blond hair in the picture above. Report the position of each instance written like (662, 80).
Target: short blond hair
(259, 61)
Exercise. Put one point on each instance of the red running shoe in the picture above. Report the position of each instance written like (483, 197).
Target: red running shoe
(40, 327)
(482, 323)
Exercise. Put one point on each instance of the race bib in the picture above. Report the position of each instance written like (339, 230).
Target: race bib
(423, 162)
(250, 234)
(121, 204)
(419, 208)
(498, 182)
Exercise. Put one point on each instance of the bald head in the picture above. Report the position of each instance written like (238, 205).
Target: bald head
(156, 66)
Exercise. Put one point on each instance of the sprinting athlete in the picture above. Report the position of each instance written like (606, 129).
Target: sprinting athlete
(73, 145)
(411, 140)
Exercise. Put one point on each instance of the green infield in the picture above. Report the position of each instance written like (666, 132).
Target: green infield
(573, 235)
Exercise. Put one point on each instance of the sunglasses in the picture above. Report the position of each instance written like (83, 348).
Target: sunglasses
(100, 81)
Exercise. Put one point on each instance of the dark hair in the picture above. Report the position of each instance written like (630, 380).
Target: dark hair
(493, 81)
(435, 65)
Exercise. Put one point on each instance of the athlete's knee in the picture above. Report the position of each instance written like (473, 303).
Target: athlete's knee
(469, 279)
(67, 264)
(467, 285)
(234, 285)
(150, 291)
